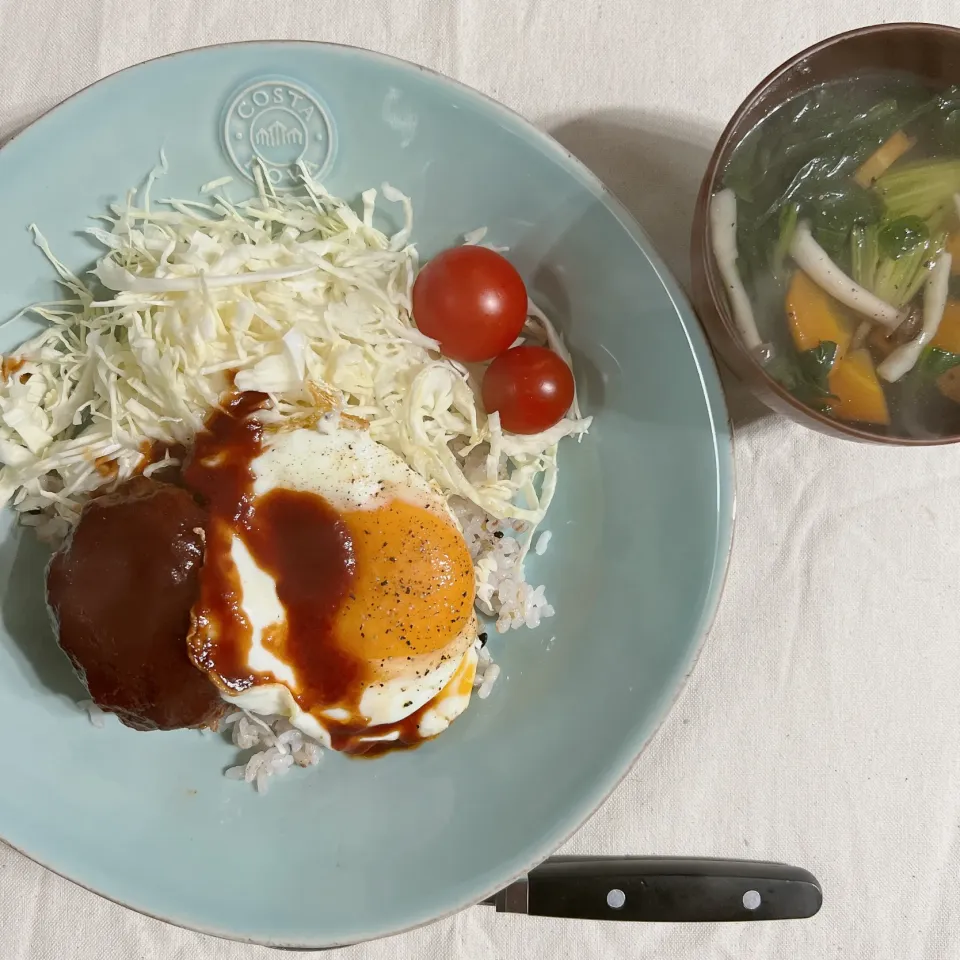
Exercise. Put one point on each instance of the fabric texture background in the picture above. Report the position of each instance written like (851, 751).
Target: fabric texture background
(822, 724)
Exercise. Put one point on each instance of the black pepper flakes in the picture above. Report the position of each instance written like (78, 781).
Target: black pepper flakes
(498, 534)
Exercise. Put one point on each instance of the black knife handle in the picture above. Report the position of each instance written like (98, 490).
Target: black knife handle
(663, 889)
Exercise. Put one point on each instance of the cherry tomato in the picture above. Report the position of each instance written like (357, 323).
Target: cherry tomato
(472, 300)
(530, 387)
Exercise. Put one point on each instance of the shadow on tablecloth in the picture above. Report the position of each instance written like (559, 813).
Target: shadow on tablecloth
(653, 164)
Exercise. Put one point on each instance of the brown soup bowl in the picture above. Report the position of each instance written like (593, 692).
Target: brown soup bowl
(929, 51)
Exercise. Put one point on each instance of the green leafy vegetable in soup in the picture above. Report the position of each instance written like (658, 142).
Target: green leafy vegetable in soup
(806, 375)
(856, 184)
(935, 362)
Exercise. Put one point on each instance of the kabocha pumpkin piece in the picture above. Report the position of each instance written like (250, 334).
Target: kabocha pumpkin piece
(815, 317)
(854, 384)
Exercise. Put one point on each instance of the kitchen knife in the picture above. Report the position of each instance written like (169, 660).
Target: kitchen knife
(662, 889)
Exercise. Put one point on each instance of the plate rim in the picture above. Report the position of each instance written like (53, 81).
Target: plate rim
(722, 430)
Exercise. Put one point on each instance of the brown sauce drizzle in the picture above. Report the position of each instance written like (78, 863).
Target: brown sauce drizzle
(299, 539)
(10, 366)
(220, 473)
(355, 740)
(107, 467)
(305, 546)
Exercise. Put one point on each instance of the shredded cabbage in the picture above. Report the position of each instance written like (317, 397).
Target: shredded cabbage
(288, 292)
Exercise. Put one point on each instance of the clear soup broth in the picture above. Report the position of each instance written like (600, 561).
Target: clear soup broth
(836, 228)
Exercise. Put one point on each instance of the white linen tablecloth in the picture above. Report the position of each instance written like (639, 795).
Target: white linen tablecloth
(822, 724)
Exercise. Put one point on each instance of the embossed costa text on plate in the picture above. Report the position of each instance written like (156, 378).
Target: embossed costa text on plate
(283, 125)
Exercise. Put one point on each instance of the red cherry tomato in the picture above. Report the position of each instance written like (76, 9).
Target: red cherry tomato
(530, 387)
(472, 300)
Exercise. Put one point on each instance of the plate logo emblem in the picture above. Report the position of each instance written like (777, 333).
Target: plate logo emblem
(279, 124)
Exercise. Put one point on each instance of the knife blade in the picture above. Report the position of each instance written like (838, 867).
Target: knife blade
(662, 889)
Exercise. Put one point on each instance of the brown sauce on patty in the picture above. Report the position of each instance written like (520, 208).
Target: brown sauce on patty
(121, 590)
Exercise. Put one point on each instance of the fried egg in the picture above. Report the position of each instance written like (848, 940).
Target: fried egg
(343, 594)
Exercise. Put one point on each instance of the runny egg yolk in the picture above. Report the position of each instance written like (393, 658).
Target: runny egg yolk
(337, 588)
(413, 589)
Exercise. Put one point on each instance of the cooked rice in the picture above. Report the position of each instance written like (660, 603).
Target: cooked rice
(281, 746)
(484, 663)
(542, 541)
(489, 678)
(498, 554)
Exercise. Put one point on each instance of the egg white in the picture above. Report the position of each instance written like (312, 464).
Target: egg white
(352, 472)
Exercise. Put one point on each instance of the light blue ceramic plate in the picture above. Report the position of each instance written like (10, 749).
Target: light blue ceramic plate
(641, 523)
